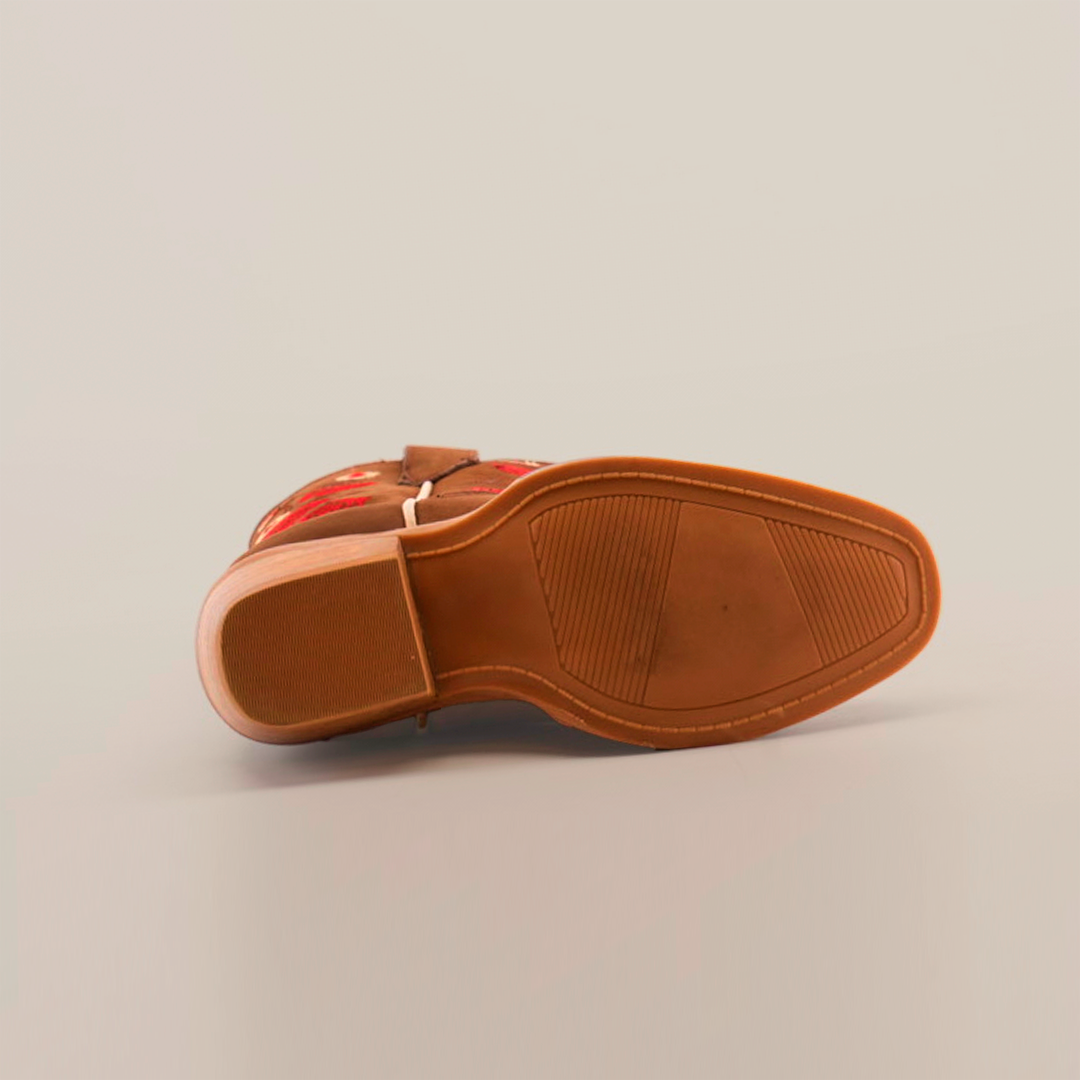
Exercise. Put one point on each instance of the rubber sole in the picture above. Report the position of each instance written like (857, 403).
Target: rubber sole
(655, 602)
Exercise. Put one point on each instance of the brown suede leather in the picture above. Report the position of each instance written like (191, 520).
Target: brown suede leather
(369, 498)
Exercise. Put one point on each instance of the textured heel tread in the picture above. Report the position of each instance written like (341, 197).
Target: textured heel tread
(313, 639)
(323, 646)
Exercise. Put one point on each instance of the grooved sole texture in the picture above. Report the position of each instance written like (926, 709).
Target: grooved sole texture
(851, 593)
(323, 646)
(603, 564)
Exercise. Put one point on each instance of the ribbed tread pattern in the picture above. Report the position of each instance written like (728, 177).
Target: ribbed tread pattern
(603, 564)
(851, 593)
(323, 646)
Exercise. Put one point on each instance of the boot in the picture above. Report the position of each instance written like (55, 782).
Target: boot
(654, 602)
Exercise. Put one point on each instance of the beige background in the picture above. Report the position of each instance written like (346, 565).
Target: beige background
(246, 244)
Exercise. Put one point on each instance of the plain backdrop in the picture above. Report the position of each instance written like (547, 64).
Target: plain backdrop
(244, 244)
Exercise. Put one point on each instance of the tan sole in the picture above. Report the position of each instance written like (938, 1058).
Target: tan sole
(655, 602)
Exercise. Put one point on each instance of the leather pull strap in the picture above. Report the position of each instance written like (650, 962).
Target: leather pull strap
(421, 463)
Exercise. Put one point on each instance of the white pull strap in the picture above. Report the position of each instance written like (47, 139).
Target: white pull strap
(408, 507)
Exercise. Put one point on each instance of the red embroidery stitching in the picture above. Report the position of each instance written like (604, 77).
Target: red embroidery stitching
(306, 505)
(320, 493)
(312, 511)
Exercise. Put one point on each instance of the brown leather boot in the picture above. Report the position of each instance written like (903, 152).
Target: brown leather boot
(655, 602)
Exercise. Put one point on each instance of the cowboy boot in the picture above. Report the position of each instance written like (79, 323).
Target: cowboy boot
(655, 602)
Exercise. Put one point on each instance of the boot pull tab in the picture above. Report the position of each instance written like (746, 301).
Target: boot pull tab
(420, 463)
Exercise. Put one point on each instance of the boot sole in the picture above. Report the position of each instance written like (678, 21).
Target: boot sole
(661, 603)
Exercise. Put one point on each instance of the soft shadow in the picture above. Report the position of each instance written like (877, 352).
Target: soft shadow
(493, 728)
(865, 712)
(464, 735)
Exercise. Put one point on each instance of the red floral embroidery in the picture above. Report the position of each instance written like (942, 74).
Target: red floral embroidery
(307, 505)
(321, 493)
(313, 510)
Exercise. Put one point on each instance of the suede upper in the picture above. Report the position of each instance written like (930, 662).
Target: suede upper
(371, 497)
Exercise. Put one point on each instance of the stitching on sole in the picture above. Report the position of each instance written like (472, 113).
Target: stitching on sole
(739, 721)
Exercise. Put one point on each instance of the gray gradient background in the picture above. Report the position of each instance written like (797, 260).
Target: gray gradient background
(246, 244)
